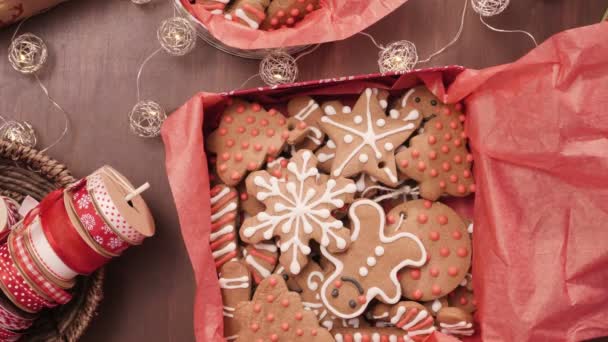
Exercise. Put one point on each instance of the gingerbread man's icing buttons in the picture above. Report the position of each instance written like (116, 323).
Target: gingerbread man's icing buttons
(242, 122)
(235, 287)
(449, 259)
(304, 131)
(275, 314)
(368, 269)
(298, 209)
(366, 140)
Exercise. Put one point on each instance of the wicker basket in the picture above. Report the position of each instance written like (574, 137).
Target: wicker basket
(25, 171)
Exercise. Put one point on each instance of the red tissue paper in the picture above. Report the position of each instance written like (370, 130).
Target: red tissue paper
(538, 130)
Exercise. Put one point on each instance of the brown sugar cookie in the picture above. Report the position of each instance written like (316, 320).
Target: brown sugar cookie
(298, 209)
(455, 321)
(248, 12)
(276, 167)
(282, 13)
(261, 259)
(304, 132)
(235, 287)
(366, 140)
(439, 158)
(246, 136)
(448, 247)
(223, 236)
(463, 298)
(411, 317)
(275, 314)
(368, 269)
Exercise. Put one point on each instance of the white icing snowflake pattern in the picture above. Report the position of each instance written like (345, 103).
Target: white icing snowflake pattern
(84, 201)
(299, 209)
(88, 221)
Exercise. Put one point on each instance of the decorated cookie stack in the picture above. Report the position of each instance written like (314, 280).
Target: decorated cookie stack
(316, 228)
(265, 14)
(72, 232)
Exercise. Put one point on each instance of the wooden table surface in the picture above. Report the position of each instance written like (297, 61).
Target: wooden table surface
(95, 50)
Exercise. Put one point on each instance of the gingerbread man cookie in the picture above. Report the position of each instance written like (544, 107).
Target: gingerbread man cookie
(235, 287)
(283, 13)
(304, 114)
(368, 269)
(223, 236)
(366, 140)
(455, 321)
(298, 209)
(439, 158)
(248, 12)
(417, 103)
(409, 316)
(275, 314)
(246, 136)
(447, 243)
(261, 259)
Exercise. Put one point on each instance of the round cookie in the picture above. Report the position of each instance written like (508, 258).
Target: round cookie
(463, 298)
(261, 259)
(448, 247)
(246, 136)
(275, 314)
(285, 13)
(455, 322)
(223, 236)
(235, 287)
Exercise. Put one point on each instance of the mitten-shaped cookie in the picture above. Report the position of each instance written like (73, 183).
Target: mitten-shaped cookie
(448, 247)
(288, 12)
(366, 140)
(246, 136)
(298, 209)
(248, 12)
(455, 321)
(223, 236)
(235, 287)
(261, 259)
(304, 114)
(368, 269)
(409, 316)
(275, 314)
(439, 158)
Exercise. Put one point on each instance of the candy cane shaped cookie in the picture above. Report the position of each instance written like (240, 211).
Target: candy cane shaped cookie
(223, 236)
(408, 316)
(235, 286)
(248, 12)
(455, 321)
(261, 259)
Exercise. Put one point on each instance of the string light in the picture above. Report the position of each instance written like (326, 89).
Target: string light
(278, 67)
(489, 8)
(399, 56)
(146, 119)
(27, 53)
(18, 132)
(176, 36)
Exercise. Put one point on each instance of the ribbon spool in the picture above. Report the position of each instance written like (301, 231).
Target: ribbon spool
(9, 215)
(12, 318)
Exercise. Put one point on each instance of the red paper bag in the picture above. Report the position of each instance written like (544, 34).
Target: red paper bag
(540, 140)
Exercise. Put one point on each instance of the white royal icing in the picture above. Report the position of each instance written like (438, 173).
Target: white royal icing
(243, 16)
(234, 283)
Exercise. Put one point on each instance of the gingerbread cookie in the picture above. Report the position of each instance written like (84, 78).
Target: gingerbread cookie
(463, 298)
(304, 114)
(276, 167)
(448, 247)
(366, 140)
(223, 236)
(248, 12)
(326, 155)
(417, 102)
(368, 269)
(435, 305)
(439, 158)
(275, 314)
(235, 287)
(283, 13)
(374, 334)
(409, 316)
(213, 6)
(246, 136)
(455, 321)
(261, 259)
(298, 209)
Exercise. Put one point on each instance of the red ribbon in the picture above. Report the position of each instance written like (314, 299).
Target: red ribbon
(63, 236)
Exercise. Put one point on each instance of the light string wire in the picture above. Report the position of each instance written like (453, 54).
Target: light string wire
(66, 116)
(508, 31)
(141, 68)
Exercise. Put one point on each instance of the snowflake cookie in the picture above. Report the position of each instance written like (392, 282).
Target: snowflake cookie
(366, 139)
(298, 209)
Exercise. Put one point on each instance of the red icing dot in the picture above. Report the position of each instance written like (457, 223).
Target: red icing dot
(446, 111)
(436, 290)
(362, 299)
(428, 204)
(422, 218)
(295, 12)
(255, 132)
(453, 178)
(274, 21)
(270, 317)
(462, 189)
(310, 7)
(415, 274)
(462, 252)
(223, 131)
(290, 21)
(281, 121)
(298, 316)
(257, 147)
(433, 155)
(256, 107)
(252, 166)
(444, 251)
(447, 137)
(241, 129)
(225, 156)
(244, 196)
(404, 163)
(281, 14)
(238, 157)
(421, 166)
(264, 122)
(434, 173)
(240, 109)
(276, 173)
(463, 301)
(463, 135)
(390, 219)
(235, 175)
(272, 112)
(457, 142)
(439, 125)
(442, 219)
(434, 272)
(228, 119)
(466, 174)
(272, 149)
(472, 188)
(284, 163)
(254, 327)
(285, 326)
(446, 166)
(454, 124)
(273, 282)
(285, 303)
(417, 294)
(270, 298)
(245, 145)
(432, 139)
(461, 118)
(230, 142)
(434, 236)
(274, 337)
(270, 132)
(313, 332)
(299, 332)
(457, 159)
(457, 235)
(338, 283)
(452, 271)
(415, 154)
(445, 149)
(469, 157)
(270, 159)
(302, 125)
